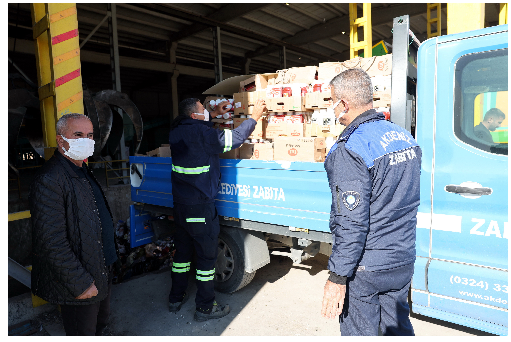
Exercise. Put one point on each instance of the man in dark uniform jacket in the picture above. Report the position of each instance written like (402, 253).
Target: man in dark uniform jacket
(195, 146)
(373, 170)
(73, 232)
(492, 120)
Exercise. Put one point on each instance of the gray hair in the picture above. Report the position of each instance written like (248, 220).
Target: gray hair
(62, 123)
(355, 86)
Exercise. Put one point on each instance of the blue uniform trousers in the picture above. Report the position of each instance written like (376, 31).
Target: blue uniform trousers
(197, 229)
(378, 299)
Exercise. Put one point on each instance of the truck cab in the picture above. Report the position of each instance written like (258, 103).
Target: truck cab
(461, 271)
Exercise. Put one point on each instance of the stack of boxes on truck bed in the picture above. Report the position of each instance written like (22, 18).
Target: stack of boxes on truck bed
(300, 122)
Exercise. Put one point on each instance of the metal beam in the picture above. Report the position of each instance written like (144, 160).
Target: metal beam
(95, 29)
(282, 57)
(217, 52)
(306, 13)
(19, 273)
(224, 14)
(282, 18)
(334, 27)
(234, 29)
(27, 46)
(116, 73)
(462, 17)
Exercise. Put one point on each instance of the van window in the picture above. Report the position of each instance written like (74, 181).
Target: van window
(481, 100)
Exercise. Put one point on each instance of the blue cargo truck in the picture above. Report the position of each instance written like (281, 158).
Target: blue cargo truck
(440, 92)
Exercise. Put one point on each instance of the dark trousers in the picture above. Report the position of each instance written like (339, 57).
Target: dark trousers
(378, 299)
(87, 320)
(197, 229)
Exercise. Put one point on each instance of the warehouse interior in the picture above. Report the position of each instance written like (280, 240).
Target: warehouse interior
(161, 42)
(167, 52)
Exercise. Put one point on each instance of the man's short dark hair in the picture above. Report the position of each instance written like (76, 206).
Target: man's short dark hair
(494, 113)
(188, 106)
(354, 85)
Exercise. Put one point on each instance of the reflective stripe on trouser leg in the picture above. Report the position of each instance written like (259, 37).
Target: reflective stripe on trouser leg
(205, 275)
(181, 267)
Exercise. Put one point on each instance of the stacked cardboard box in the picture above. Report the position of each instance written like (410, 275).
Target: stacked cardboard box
(258, 151)
(300, 149)
(162, 151)
(301, 92)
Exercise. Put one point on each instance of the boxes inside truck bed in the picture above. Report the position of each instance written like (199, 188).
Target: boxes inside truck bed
(259, 130)
(374, 66)
(299, 149)
(258, 151)
(274, 130)
(257, 82)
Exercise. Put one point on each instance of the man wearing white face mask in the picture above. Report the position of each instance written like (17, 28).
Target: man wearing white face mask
(195, 146)
(373, 171)
(73, 233)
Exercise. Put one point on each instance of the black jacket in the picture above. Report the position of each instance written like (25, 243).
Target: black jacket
(195, 146)
(66, 236)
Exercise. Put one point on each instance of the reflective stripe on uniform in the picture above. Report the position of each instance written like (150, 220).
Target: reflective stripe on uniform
(205, 275)
(181, 267)
(196, 220)
(190, 170)
(228, 140)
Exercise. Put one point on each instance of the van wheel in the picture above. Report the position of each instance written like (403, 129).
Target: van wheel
(230, 275)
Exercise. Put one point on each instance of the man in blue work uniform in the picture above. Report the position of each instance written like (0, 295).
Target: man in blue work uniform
(373, 170)
(195, 146)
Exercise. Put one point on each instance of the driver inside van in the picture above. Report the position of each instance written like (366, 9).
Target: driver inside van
(492, 120)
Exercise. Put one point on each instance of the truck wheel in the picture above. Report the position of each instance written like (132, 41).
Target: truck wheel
(230, 275)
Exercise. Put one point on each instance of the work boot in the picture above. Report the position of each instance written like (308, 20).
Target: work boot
(175, 307)
(217, 312)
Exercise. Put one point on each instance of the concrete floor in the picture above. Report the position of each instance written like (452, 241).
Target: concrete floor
(284, 299)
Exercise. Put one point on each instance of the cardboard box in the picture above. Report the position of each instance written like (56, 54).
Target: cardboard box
(315, 130)
(284, 129)
(256, 82)
(274, 91)
(328, 70)
(238, 98)
(252, 97)
(374, 66)
(299, 149)
(381, 103)
(318, 100)
(377, 65)
(244, 102)
(163, 151)
(301, 75)
(286, 104)
(259, 130)
(259, 151)
(232, 154)
(382, 87)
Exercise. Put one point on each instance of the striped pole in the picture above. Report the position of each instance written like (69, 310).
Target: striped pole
(56, 37)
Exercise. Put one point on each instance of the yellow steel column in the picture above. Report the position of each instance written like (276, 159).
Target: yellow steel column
(503, 14)
(437, 20)
(55, 28)
(462, 17)
(355, 23)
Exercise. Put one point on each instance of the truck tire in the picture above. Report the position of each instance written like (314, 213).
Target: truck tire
(230, 275)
